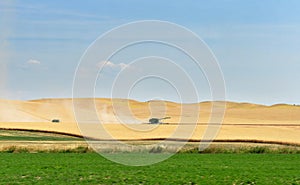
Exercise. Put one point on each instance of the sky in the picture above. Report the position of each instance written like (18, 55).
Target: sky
(256, 43)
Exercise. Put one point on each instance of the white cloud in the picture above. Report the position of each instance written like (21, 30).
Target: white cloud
(109, 64)
(33, 62)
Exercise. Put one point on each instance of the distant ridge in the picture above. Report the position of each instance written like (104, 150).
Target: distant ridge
(44, 110)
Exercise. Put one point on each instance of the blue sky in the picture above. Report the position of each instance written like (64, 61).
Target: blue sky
(256, 42)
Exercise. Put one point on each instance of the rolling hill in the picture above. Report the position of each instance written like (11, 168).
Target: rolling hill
(242, 121)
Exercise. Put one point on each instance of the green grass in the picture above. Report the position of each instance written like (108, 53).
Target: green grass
(14, 135)
(90, 168)
(40, 138)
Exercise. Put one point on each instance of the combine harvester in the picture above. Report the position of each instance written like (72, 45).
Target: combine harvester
(158, 120)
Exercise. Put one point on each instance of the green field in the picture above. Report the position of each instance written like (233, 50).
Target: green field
(62, 163)
(16, 135)
(90, 168)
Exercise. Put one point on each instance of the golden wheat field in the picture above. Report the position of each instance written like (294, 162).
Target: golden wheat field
(242, 121)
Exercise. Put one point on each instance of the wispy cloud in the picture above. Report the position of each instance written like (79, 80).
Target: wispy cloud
(33, 62)
(109, 64)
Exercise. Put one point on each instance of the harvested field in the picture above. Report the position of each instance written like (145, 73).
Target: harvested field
(242, 122)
